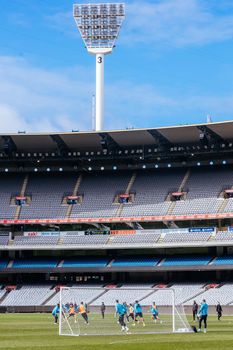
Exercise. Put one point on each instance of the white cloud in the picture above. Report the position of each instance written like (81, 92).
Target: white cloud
(177, 23)
(36, 99)
(42, 99)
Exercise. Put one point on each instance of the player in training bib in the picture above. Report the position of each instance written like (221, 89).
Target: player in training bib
(131, 313)
(72, 311)
(83, 312)
(138, 313)
(154, 312)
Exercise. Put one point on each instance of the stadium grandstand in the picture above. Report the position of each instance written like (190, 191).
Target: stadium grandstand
(149, 208)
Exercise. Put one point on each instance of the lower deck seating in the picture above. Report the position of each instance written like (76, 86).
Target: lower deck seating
(222, 294)
(124, 295)
(140, 238)
(85, 240)
(186, 237)
(77, 295)
(28, 241)
(224, 236)
(4, 239)
(28, 295)
(94, 295)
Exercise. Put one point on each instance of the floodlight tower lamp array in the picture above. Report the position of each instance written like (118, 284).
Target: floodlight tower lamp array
(99, 26)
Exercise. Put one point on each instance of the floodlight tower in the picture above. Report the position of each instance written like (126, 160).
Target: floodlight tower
(99, 26)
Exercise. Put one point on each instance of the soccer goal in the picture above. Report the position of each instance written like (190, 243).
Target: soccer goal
(81, 311)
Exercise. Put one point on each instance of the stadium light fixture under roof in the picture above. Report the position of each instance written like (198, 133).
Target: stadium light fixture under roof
(99, 26)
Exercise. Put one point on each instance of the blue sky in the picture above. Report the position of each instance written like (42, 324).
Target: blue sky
(173, 64)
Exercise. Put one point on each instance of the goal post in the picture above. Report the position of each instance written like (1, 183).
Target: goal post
(81, 311)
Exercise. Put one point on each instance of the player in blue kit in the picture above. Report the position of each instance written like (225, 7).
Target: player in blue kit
(202, 315)
(121, 311)
(55, 313)
(138, 313)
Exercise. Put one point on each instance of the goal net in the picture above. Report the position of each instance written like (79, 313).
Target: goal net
(92, 311)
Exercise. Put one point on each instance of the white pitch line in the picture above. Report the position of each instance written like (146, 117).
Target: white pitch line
(128, 341)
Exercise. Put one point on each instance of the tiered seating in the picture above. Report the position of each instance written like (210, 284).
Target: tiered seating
(213, 295)
(4, 240)
(197, 206)
(186, 261)
(40, 241)
(142, 261)
(140, 238)
(128, 295)
(229, 207)
(160, 297)
(35, 263)
(2, 292)
(85, 262)
(31, 295)
(224, 236)
(10, 184)
(184, 291)
(186, 237)
(85, 240)
(47, 192)
(77, 295)
(99, 189)
(204, 186)
(152, 188)
(34, 295)
(99, 192)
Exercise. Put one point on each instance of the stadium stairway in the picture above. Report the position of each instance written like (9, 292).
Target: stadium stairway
(194, 296)
(180, 189)
(160, 240)
(10, 264)
(60, 241)
(212, 261)
(110, 263)
(22, 194)
(75, 192)
(222, 205)
(127, 191)
(50, 297)
(98, 296)
(4, 296)
(224, 202)
(150, 293)
(212, 237)
(60, 264)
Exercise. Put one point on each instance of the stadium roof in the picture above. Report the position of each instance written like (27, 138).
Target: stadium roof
(178, 135)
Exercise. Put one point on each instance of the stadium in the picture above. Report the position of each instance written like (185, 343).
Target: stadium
(112, 217)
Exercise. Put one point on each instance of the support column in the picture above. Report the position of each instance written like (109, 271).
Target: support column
(99, 114)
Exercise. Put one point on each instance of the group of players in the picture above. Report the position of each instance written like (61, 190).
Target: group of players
(124, 311)
(127, 312)
(131, 312)
(71, 310)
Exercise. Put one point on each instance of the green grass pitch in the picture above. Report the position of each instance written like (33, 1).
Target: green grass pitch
(37, 331)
